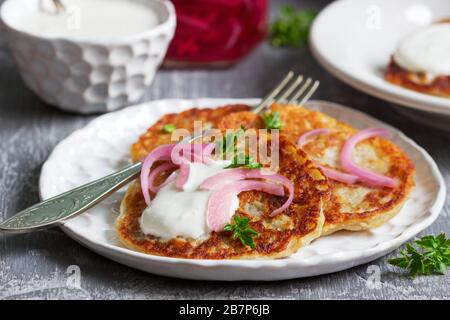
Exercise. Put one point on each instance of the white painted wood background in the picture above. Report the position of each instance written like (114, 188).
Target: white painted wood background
(38, 265)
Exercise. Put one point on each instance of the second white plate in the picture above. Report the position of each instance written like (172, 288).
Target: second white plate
(103, 147)
(354, 40)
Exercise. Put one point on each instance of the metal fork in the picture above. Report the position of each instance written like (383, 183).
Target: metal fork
(57, 209)
(289, 92)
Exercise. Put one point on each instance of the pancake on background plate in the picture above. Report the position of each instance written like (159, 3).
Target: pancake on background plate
(422, 61)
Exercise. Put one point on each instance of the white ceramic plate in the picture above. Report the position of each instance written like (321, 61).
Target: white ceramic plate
(103, 145)
(354, 40)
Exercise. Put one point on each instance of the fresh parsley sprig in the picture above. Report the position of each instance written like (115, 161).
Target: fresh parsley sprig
(242, 160)
(228, 145)
(428, 255)
(242, 231)
(292, 28)
(272, 120)
(169, 128)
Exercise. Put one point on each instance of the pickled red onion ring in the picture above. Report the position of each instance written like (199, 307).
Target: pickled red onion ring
(218, 209)
(305, 136)
(338, 175)
(184, 152)
(290, 186)
(181, 155)
(350, 166)
(180, 152)
(156, 172)
(183, 175)
(162, 152)
(229, 176)
(171, 178)
(208, 150)
(330, 173)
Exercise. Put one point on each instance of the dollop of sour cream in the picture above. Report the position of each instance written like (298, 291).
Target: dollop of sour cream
(427, 50)
(182, 213)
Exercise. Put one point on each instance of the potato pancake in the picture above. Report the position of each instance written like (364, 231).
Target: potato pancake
(418, 81)
(278, 236)
(155, 135)
(351, 207)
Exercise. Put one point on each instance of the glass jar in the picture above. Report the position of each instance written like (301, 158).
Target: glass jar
(216, 33)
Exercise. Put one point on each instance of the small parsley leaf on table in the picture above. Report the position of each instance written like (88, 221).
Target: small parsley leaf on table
(428, 255)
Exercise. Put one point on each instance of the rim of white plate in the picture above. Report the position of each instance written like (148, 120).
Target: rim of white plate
(392, 244)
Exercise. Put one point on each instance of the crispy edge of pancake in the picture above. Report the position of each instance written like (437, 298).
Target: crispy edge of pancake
(417, 81)
(297, 120)
(155, 136)
(292, 247)
(372, 218)
(132, 206)
(360, 225)
(400, 168)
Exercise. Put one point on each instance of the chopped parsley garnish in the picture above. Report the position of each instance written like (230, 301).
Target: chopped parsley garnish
(229, 143)
(242, 231)
(429, 255)
(242, 160)
(272, 120)
(169, 128)
(228, 146)
(292, 27)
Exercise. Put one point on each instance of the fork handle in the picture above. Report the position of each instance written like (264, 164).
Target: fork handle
(50, 212)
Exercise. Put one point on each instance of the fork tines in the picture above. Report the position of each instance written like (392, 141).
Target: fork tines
(290, 91)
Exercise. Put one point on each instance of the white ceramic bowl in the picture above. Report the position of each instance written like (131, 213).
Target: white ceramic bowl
(89, 75)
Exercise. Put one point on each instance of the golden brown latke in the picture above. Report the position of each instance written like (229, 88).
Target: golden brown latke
(278, 236)
(156, 136)
(351, 207)
(418, 81)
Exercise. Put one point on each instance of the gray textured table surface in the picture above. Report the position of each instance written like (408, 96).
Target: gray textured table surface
(38, 265)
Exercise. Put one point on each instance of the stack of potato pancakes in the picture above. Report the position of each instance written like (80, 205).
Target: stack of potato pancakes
(320, 206)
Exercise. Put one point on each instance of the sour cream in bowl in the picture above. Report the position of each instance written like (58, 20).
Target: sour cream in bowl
(95, 56)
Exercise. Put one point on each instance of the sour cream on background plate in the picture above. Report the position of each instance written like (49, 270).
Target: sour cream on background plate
(427, 50)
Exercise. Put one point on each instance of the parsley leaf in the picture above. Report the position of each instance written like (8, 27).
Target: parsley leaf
(242, 231)
(228, 145)
(272, 120)
(428, 255)
(292, 28)
(244, 161)
(169, 128)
